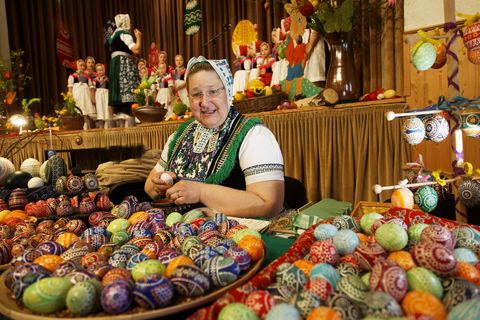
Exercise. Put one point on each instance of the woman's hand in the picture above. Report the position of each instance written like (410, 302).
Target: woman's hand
(138, 33)
(156, 186)
(185, 192)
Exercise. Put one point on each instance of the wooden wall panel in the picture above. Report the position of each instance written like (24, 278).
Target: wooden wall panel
(422, 88)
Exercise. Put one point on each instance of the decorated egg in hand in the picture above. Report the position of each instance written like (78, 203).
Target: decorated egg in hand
(167, 178)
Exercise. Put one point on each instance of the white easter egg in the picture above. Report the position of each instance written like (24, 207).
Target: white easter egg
(167, 178)
(35, 182)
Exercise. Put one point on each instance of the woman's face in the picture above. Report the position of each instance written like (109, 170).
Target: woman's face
(178, 61)
(90, 64)
(208, 99)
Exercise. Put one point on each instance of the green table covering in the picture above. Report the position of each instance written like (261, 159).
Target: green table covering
(276, 247)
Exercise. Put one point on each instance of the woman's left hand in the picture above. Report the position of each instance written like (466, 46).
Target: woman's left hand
(185, 192)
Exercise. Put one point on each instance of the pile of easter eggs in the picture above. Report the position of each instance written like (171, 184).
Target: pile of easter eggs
(375, 268)
(134, 256)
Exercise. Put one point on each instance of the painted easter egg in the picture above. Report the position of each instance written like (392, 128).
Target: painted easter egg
(235, 311)
(252, 245)
(382, 305)
(116, 274)
(325, 271)
(47, 295)
(465, 255)
(144, 268)
(424, 56)
(438, 234)
(221, 270)
(116, 297)
(35, 182)
(320, 286)
(49, 261)
(17, 199)
(402, 198)
(176, 262)
(469, 193)
(261, 302)
(6, 168)
(323, 251)
(418, 303)
(426, 198)
(82, 299)
(403, 258)
(391, 237)
(469, 309)
(436, 128)
(31, 166)
(305, 302)
(241, 257)
(346, 222)
(367, 220)
(190, 281)
(280, 293)
(192, 215)
(413, 130)
(471, 125)
(283, 311)
(153, 292)
(173, 218)
(90, 182)
(435, 257)
(345, 241)
(387, 276)
(414, 232)
(343, 305)
(461, 290)
(291, 276)
(368, 253)
(353, 287)
(421, 279)
(325, 231)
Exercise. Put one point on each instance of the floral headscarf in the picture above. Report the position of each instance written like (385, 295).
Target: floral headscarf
(122, 21)
(222, 68)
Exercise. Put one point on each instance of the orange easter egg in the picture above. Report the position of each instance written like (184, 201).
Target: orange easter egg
(116, 274)
(468, 272)
(17, 214)
(304, 265)
(422, 303)
(324, 313)
(362, 237)
(66, 239)
(403, 259)
(49, 261)
(138, 217)
(177, 261)
(253, 245)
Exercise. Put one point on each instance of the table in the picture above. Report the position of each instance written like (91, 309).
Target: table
(337, 153)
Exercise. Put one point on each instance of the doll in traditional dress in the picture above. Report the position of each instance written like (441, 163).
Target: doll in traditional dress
(104, 111)
(164, 87)
(178, 76)
(265, 63)
(83, 90)
(90, 63)
(162, 58)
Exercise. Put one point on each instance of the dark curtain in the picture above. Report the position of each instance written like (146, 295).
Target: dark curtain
(33, 26)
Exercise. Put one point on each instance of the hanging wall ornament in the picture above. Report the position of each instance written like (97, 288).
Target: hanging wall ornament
(471, 125)
(469, 193)
(441, 58)
(424, 52)
(413, 130)
(436, 128)
(192, 17)
(426, 198)
(471, 37)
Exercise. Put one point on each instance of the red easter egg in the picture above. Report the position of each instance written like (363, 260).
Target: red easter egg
(260, 301)
(368, 253)
(389, 277)
(323, 251)
(320, 286)
(438, 234)
(435, 257)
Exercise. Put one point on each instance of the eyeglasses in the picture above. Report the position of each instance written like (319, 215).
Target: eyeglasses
(213, 93)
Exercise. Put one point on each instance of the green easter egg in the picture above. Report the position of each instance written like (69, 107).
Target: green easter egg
(144, 268)
(118, 225)
(414, 232)
(421, 279)
(238, 236)
(237, 311)
(424, 56)
(426, 198)
(47, 295)
(120, 237)
(83, 298)
(173, 217)
(392, 237)
(192, 215)
(368, 220)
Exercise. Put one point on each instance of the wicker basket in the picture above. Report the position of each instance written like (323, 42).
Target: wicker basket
(364, 207)
(260, 104)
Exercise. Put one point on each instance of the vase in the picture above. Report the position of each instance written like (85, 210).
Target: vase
(72, 123)
(341, 74)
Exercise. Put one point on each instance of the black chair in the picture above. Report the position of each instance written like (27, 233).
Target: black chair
(295, 193)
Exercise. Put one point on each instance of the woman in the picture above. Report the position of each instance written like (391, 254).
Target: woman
(220, 159)
(123, 71)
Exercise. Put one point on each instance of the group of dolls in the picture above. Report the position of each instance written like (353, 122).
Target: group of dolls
(168, 81)
(89, 86)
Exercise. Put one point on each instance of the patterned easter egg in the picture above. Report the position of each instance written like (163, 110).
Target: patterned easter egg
(245, 232)
(421, 279)
(353, 287)
(380, 304)
(90, 182)
(18, 286)
(107, 249)
(466, 232)
(291, 276)
(17, 199)
(144, 268)
(471, 125)
(121, 237)
(190, 281)
(465, 255)
(154, 291)
(325, 231)
(424, 56)
(414, 232)
(173, 218)
(50, 247)
(469, 193)
(75, 254)
(283, 311)
(116, 297)
(368, 253)
(304, 265)
(324, 313)
(221, 270)
(387, 276)
(469, 309)
(402, 198)
(347, 269)
(253, 245)
(31, 166)
(403, 258)
(467, 271)
(49, 261)
(82, 299)
(438, 234)
(65, 268)
(136, 259)
(391, 237)
(208, 225)
(116, 274)
(176, 262)
(74, 184)
(436, 127)
(468, 243)
(344, 306)
(305, 302)
(418, 303)
(426, 198)
(18, 272)
(192, 215)
(119, 224)
(241, 257)
(79, 276)
(260, 301)
(367, 220)
(413, 131)
(320, 286)
(6, 168)
(327, 272)
(189, 242)
(166, 255)
(87, 205)
(237, 311)
(346, 222)
(345, 241)
(434, 257)
(47, 295)
(64, 208)
(460, 290)
(323, 251)
(280, 293)
(66, 239)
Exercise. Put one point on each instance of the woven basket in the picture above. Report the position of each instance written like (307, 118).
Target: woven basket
(260, 104)
(364, 207)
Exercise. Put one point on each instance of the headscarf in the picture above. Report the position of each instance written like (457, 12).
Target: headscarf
(122, 21)
(222, 69)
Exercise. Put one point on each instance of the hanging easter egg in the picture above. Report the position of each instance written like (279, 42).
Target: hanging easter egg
(441, 58)
(6, 168)
(436, 128)
(471, 39)
(424, 56)
(413, 130)
(402, 198)
(31, 166)
(469, 193)
(426, 198)
(471, 125)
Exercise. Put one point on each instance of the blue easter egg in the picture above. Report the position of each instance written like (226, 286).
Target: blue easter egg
(325, 231)
(136, 259)
(204, 254)
(190, 281)
(116, 297)
(240, 256)
(345, 241)
(154, 291)
(327, 272)
(221, 270)
(283, 311)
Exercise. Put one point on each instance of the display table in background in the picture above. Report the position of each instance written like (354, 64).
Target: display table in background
(337, 152)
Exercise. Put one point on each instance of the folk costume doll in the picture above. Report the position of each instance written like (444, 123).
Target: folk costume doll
(90, 63)
(265, 63)
(164, 88)
(104, 112)
(82, 88)
(178, 76)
